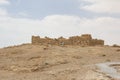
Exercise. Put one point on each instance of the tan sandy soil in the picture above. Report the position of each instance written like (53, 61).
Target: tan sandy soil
(34, 62)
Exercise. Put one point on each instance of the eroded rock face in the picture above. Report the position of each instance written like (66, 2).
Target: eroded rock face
(111, 69)
(83, 40)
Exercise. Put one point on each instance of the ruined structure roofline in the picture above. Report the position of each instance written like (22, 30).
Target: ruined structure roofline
(85, 39)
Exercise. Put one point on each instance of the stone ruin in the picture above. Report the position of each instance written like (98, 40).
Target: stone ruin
(83, 40)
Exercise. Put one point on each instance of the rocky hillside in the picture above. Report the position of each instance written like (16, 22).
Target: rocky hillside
(35, 62)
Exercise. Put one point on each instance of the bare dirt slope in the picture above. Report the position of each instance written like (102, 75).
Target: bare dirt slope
(34, 62)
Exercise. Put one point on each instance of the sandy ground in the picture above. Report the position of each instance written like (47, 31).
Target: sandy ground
(34, 62)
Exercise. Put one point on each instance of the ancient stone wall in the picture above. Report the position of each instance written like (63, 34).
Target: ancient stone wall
(83, 40)
(35, 39)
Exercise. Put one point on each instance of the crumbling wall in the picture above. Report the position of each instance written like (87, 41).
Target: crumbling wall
(83, 40)
(35, 39)
(96, 42)
(86, 36)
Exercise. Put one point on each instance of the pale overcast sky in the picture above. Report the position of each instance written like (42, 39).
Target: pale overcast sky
(20, 19)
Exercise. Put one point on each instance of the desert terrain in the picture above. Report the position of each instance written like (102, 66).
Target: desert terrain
(40, 62)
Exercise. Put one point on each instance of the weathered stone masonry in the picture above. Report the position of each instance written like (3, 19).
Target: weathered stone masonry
(83, 40)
